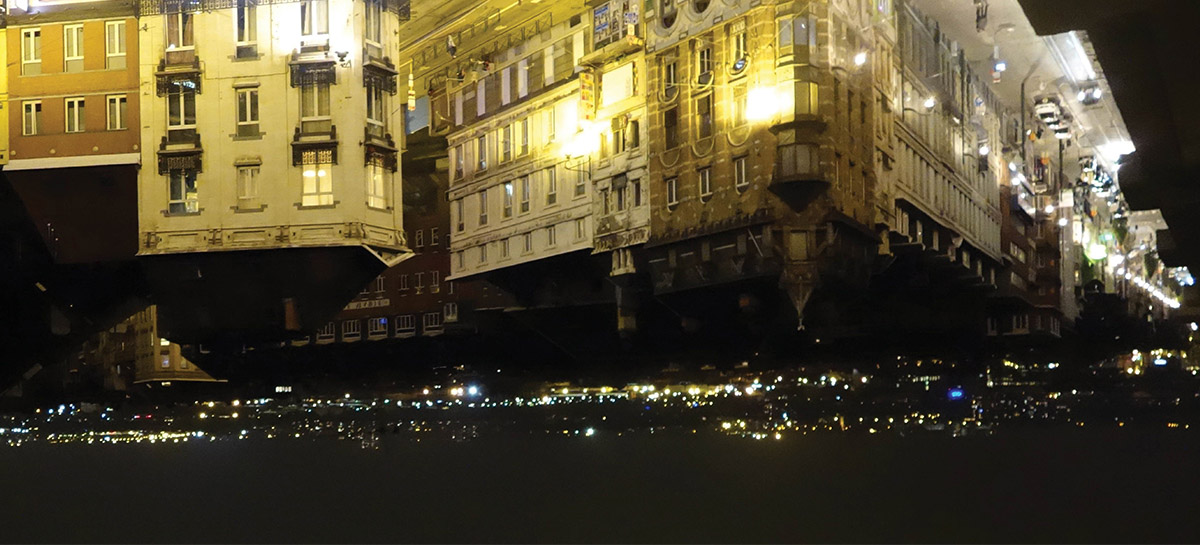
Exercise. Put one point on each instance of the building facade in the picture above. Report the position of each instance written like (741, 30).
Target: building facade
(273, 131)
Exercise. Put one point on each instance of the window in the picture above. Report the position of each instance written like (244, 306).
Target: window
(72, 48)
(549, 125)
(797, 159)
(31, 51)
(483, 253)
(377, 328)
(504, 248)
(508, 199)
(739, 104)
(525, 194)
(459, 160)
(704, 115)
(605, 200)
(420, 238)
(435, 279)
(621, 193)
(483, 208)
(637, 192)
(671, 127)
(737, 50)
(314, 109)
(580, 183)
(672, 192)
(179, 31)
(326, 333)
(433, 236)
(580, 229)
(506, 144)
(374, 23)
(551, 186)
(432, 321)
(481, 151)
(462, 260)
(618, 131)
(704, 176)
(403, 282)
(114, 45)
(670, 79)
(527, 243)
(523, 137)
(552, 235)
(32, 117)
(376, 111)
(184, 199)
(379, 185)
(351, 330)
(317, 186)
(117, 104)
(740, 181)
(459, 214)
(451, 311)
(181, 113)
(247, 184)
(406, 324)
(247, 22)
(704, 65)
(420, 281)
(247, 112)
(314, 17)
(75, 115)
(635, 135)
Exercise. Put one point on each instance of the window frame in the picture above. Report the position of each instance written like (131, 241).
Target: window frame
(312, 103)
(247, 182)
(185, 204)
(672, 192)
(31, 117)
(72, 36)
(309, 27)
(251, 121)
(74, 112)
(185, 31)
(704, 182)
(122, 102)
(741, 179)
(28, 52)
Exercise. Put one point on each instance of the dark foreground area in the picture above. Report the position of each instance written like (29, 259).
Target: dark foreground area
(1030, 485)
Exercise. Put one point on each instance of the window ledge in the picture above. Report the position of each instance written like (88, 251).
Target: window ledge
(381, 209)
(237, 138)
(300, 206)
(170, 214)
(243, 210)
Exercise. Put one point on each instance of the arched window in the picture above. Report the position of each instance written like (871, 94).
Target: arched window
(701, 5)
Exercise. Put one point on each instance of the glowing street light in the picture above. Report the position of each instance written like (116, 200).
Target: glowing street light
(930, 103)
(761, 104)
(860, 58)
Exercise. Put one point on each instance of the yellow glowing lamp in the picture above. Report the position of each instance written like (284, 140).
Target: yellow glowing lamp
(1097, 251)
(760, 104)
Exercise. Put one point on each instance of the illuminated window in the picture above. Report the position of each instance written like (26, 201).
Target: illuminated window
(523, 137)
(483, 207)
(314, 17)
(247, 111)
(508, 199)
(317, 186)
(31, 51)
(459, 215)
(740, 181)
(114, 45)
(670, 79)
(74, 115)
(117, 105)
(379, 184)
(180, 31)
(314, 109)
(704, 64)
(506, 144)
(435, 280)
(739, 104)
(672, 192)
(183, 195)
(72, 48)
(459, 161)
(451, 311)
(551, 178)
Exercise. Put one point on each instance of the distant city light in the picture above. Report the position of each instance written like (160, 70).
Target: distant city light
(955, 393)
(860, 58)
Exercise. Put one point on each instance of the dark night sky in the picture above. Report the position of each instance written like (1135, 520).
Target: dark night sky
(1029, 485)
